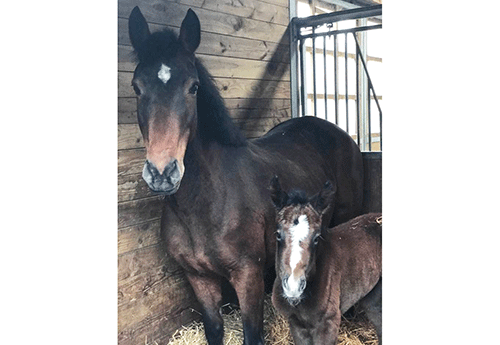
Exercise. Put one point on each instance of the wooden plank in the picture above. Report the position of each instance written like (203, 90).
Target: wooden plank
(226, 67)
(221, 66)
(253, 89)
(237, 107)
(127, 110)
(131, 187)
(228, 87)
(138, 211)
(153, 295)
(170, 13)
(131, 162)
(129, 137)
(253, 9)
(272, 103)
(157, 329)
(138, 236)
(211, 44)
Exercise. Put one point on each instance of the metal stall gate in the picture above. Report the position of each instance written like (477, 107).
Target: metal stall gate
(329, 72)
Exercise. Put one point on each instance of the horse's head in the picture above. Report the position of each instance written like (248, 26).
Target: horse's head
(166, 82)
(298, 233)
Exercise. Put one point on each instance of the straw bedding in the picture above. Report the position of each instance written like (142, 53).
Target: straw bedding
(353, 331)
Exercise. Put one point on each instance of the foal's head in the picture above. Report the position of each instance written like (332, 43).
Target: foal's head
(298, 233)
(166, 82)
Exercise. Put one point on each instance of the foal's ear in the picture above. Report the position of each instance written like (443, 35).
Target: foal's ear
(326, 198)
(189, 35)
(277, 194)
(138, 29)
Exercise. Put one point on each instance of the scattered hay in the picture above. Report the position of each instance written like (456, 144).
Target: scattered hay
(353, 331)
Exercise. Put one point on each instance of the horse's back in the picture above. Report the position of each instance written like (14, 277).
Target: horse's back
(319, 151)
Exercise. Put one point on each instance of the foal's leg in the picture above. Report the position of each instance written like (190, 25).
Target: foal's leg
(249, 285)
(208, 292)
(372, 305)
(301, 334)
(327, 332)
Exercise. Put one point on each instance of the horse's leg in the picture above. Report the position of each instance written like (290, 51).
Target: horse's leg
(249, 285)
(372, 305)
(208, 292)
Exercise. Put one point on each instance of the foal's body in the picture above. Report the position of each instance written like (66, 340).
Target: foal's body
(341, 268)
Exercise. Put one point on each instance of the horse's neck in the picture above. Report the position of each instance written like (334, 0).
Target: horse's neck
(204, 163)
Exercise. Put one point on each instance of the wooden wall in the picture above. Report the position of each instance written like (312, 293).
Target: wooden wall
(244, 44)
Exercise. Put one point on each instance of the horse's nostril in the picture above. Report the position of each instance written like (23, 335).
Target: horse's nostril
(152, 169)
(170, 168)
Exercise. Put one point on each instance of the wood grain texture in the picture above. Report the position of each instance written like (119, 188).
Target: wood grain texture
(171, 13)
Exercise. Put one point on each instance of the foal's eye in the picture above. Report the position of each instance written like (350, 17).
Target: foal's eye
(316, 240)
(278, 236)
(194, 89)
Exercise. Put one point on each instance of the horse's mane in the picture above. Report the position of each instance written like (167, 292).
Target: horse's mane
(214, 122)
(213, 118)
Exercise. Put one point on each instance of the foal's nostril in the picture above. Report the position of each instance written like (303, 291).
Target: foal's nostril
(284, 283)
(302, 284)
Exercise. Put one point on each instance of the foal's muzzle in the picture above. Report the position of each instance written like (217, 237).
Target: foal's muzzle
(293, 289)
(166, 182)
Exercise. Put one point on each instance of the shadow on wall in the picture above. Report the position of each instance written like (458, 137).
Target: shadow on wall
(265, 90)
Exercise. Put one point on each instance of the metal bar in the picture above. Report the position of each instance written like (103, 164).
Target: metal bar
(343, 31)
(335, 57)
(324, 77)
(369, 79)
(314, 74)
(358, 115)
(294, 68)
(369, 120)
(302, 78)
(362, 12)
(346, 87)
(380, 124)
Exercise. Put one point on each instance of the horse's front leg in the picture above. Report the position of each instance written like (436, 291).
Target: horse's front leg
(248, 282)
(208, 292)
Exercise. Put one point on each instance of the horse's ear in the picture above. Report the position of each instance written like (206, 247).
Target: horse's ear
(325, 199)
(189, 35)
(277, 194)
(138, 29)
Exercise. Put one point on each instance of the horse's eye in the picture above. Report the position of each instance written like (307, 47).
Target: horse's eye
(194, 89)
(137, 90)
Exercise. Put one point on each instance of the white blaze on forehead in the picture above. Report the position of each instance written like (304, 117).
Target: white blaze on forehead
(298, 232)
(164, 73)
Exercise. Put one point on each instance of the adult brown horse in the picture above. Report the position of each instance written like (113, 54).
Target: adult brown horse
(218, 220)
(321, 271)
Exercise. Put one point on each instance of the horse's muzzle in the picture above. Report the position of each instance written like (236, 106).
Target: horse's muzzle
(167, 182)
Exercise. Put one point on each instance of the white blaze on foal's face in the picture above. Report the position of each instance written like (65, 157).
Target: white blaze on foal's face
(164, 73)
(298, 233)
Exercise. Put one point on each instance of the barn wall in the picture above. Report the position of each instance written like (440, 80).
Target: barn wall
(244, 45)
